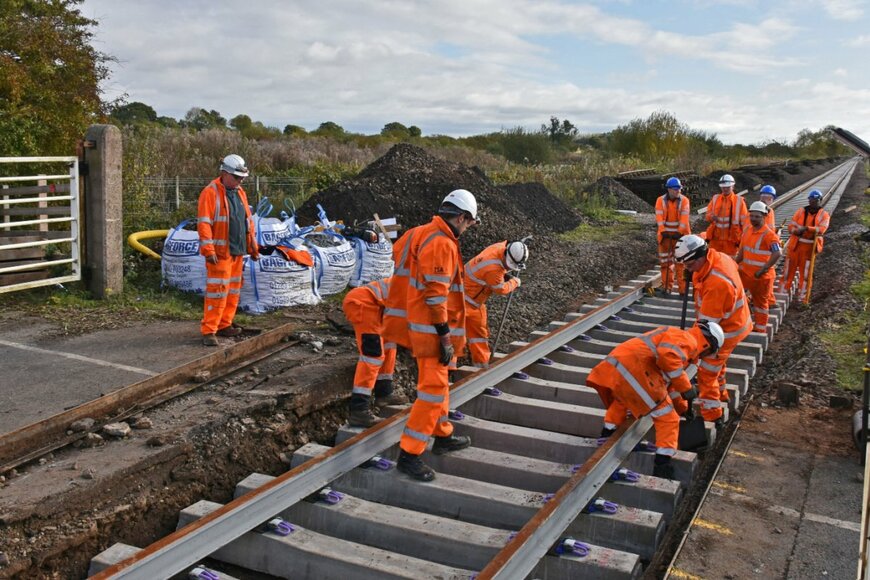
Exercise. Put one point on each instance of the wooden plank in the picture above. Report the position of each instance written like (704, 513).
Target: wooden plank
(34, 189)
(35, 211)
(21, 277)
(36, 252)
(49, 235)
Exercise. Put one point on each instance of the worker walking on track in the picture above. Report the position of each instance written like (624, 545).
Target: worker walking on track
(426, 313)
(364, 309)
(759, 252)
(488, 272)
(767, 194)
(807, 228)
(719, 298)
(226, 233)
(727, 215)
(646, 375)
(672, 219)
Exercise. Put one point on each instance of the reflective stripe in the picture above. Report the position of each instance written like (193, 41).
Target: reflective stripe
(457, 288)
(389, 346)
(629, 378)
(216, 281)
(754, 262)
(235, 279)
(674, 395)
(222, 218)
(429, 397)
(385, 377)
(667, 451)
(206, 242)
(610, 426)
(361, 391)
(709, 404)
(205, 220)
(431, 237)
(430, 329)
(674, 374)
(436, 278)
(676, 349)
(220, 242)
(482, 264)
(397, 312)
(372, 361)
(707, 366)
(443, 419)
(433, 300)
(475, 279)
(215, 294)
(738, 332)
(477, 340)
(415, 435)
(662, 411)
(710, 319)
(235, 291)
(471, 301)
(805, 241)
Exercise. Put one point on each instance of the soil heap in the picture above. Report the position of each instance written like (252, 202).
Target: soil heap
(409, 183)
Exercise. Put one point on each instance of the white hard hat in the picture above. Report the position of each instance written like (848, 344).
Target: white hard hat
(726, 181)
(690, 247)
(758, 206)
(515, 256)
(234, 164)
(712, 333)
(463, 200)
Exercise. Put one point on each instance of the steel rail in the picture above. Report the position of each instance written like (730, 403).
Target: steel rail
(185, 547)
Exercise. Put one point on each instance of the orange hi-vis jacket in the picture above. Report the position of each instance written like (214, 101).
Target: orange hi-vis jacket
(645, 369)
(484, 274)
(757, 247)
(433, 290)
(213, 223)
(672, 215)
(396, 303)
(719, 295)
(817, 223)
(373, 294)
(728, 216)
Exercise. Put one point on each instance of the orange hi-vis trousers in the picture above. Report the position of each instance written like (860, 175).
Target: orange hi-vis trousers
(799, 262)
(712, 394)
(222, 287)
(477, 335)
(429, 413)
(761, 290)
(671, 270)
(377, 359)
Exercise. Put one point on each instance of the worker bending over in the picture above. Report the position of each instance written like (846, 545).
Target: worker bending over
(646, 375)
(488, 272)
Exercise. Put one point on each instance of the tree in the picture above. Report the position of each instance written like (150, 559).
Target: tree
(295, 130)
(50, 77)
(415, 131)
(198, 119)
(133, 113)
(561, 133)
(395, 130)
(329, 129)
(241, 123)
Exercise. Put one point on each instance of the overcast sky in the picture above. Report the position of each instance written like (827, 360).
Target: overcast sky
(747, 70)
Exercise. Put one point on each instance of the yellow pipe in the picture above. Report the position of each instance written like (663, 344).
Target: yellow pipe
(133, 240)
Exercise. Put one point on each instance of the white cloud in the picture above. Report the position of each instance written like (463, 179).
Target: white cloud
(859, 42)
(844, 9)
(840, 72)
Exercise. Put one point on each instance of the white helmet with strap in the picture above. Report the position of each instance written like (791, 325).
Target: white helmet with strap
(234, 164)
(463, 200)
(515, 256)
(758, 206)
(726, 181)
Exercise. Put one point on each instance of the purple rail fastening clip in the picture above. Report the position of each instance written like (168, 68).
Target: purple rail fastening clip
(491, 391)
(381, 463)
(566, 348)
(599, 504)
(585, 337)
(203, 573)
(572, 547)
(280, 527)
(645, 446)
(623, 474)
(329, 496)
(601, 327)
(548, 496)
(615, 318)
(520, 375)
(455, 415)
(545, 361)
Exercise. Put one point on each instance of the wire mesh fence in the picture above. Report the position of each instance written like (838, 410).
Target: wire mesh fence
(163, 202)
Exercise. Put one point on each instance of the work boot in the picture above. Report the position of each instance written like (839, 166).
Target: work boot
(210, 340)
(720, 424)
(412, 465)
(229, 331)
(450, 443)
(393, 398)
(361, 411)
(662, 467)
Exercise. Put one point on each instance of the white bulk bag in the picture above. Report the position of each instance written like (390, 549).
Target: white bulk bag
(275, 282)
(182, 265)
(334, 261)
(374, 261)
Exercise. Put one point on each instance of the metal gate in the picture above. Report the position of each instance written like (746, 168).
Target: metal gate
(39, 222)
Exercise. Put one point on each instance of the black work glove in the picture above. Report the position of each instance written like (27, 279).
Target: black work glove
(445, 345)
(508, 276)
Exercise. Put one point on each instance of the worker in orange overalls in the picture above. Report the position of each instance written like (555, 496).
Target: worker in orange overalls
(719, 298)
(759, 252)
(226, 233)
(429, 267)
(364, 309)
(488, 272)
(672, 219)
(806, 229)
(727, 215)
(767, 194)
(646, 375)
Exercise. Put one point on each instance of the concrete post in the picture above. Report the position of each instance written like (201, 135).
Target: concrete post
(103, 261)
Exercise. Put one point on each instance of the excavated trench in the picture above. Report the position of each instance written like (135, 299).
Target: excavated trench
(57, 513)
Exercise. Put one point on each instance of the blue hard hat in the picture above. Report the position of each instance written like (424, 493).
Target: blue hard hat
(814, 194)
(673, 183)
(769, 190)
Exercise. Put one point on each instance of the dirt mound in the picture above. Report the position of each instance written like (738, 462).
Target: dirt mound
(409, 183)
(624, 198)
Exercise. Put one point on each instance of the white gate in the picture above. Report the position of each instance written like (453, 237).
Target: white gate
(39, 224)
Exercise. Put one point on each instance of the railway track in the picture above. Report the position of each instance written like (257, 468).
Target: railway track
(535, 495)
